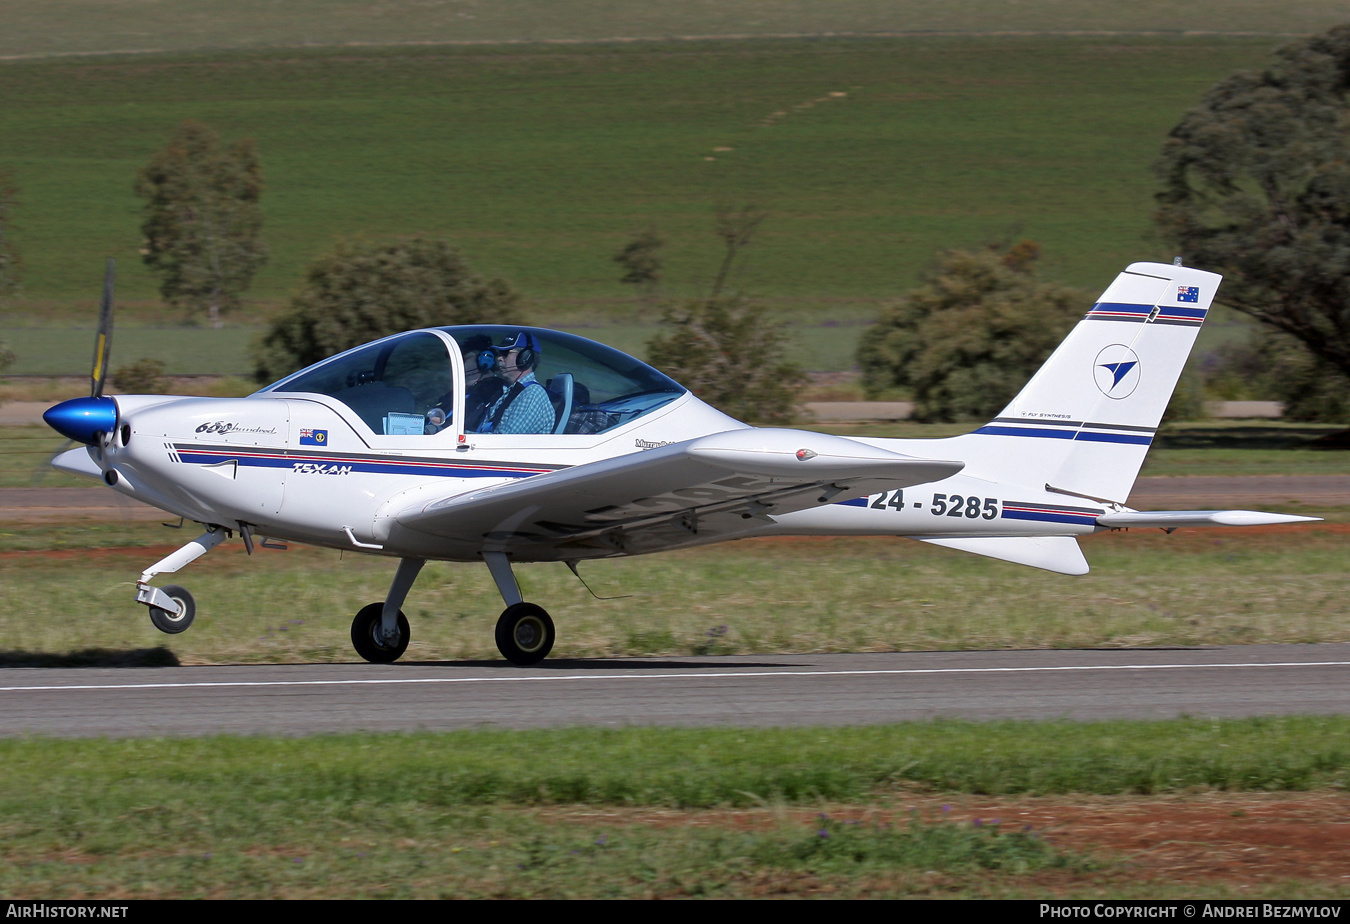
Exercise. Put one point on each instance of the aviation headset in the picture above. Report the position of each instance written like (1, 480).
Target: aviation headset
(526, 343)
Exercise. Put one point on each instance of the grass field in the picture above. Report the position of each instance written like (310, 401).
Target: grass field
(1197, 587)
(478, 814)
(183, 350)
(202, 351)
(869, 155)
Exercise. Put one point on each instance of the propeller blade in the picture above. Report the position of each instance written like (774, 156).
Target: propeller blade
(103, 343)
(44, 469)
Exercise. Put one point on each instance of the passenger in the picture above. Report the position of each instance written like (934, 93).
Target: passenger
(482, 387)
(525, 406)
(484, 384)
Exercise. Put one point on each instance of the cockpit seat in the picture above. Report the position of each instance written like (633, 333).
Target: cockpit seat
(560, 389)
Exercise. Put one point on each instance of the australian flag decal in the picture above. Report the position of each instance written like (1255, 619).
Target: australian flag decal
(1188, 294)
(313, 437)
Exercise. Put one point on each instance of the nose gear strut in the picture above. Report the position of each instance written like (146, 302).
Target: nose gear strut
(173, 611)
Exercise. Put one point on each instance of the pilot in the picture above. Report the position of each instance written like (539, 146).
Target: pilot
(525, 406)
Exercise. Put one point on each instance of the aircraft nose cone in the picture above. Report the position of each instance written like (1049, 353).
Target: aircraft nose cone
(81, 418)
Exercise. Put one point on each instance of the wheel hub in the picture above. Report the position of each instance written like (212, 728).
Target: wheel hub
(524, 634)
(529, 633)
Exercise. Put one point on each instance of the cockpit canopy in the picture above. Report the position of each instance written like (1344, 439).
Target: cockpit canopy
(406, 384)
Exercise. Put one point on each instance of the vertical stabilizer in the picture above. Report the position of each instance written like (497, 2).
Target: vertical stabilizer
(1085, 420)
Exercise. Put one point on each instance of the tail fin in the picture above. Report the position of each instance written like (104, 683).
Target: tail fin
(1091, 411)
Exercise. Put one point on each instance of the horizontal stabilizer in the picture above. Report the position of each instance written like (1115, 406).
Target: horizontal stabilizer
(1174, 519)
(1060, 554)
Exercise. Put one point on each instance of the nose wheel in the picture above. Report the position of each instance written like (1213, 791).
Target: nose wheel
(170, 621)
(525, 633)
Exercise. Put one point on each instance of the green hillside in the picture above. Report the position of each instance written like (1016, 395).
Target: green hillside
(869, 155)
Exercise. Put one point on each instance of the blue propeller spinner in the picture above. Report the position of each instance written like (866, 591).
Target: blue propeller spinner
(83, 419)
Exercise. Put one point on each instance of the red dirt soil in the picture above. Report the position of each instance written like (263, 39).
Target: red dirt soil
(1233, 841)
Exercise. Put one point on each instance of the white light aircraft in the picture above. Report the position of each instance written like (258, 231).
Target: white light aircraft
(505, 444)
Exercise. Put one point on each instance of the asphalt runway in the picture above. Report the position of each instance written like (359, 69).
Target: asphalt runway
(771, 690)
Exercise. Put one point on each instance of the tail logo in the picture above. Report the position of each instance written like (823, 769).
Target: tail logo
(1116, 371)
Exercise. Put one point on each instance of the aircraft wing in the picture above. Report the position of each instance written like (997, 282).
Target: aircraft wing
(711, 487)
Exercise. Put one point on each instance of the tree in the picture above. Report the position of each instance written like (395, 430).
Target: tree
(143, 377)
(726, 348)
(641, 261)
(966, 341)
(203, 223)
(10, 263)
(1256, 185)
(1272, 365)
(736, 228)
(729, 352)
(363, 291)
(9, 252)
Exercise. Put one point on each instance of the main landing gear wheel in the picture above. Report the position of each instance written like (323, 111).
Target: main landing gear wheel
(525, 634)
(368, 641)
(173, 623)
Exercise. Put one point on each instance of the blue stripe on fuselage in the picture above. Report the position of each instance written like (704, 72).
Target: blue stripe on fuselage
(393, 466)
(1046, 516)
(1045, 434)
(1048, 434)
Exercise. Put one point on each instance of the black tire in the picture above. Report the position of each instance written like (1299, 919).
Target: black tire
(525, 634)
(366, 636)
(173, 623)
